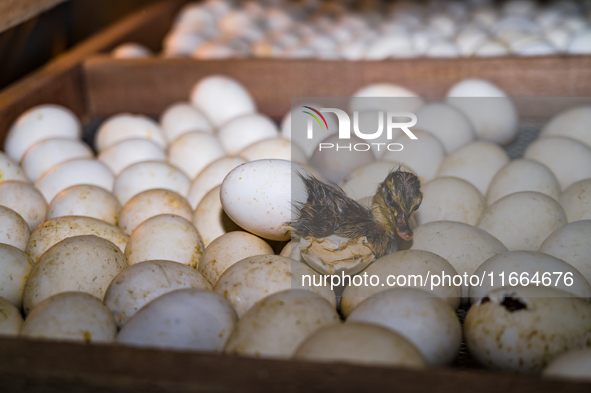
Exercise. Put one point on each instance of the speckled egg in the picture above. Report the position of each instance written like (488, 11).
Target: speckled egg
(14, 231)
(15, 266)
(11, 170)
(85, 200)
(24, 199)
(10, 318)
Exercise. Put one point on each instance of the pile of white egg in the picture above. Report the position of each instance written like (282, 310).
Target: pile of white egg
(171, 235)
(218, 29)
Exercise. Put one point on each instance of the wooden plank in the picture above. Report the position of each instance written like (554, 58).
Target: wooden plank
(61, 81)
(13, 12)
(149, 85)
(31, 366)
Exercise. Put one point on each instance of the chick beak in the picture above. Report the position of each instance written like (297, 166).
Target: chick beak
(403, 227)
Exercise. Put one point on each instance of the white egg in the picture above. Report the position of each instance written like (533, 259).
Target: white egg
(523, 175)
(392, 45)
(576, 201)
(402, 99)
(360, 343)
(149, 175)
(278, 324)
(130, 151)
(534, 47)
(15, 266)
(574, 365)
(143, 282)
(580, 43)
(44, 155)
(394, 270)
(424, 155)
(492, 48)
(522, 221)
(39, 123)
(85, 200)
(446, 123)
(443, 23)
(179, 43)
(567, 158)
(187, 319)
(491, 112)
(528, 263)
(228, 249)
(258, 196)
(72, 316)
(25, 200)
(252, 279)
(364, 181)
(443, 49)
(210, 219)
(80, 263)
(571, 123)
(127, 126)
(570, 243)
(274, 148)
(11, 322)
(131, 50)
(558, 36)
(165, 236)
(450, 199)
(464, 246)
(57, 229)
(193, 151)
(14, 230)
(524, 328)
(11, 170)
(182, 117)
(216, 50)
(210, 177)
(469, 38)
(72, 173)
(477, 163)
(152, 203)
(243, 131)
(222, 99)
(426, 321)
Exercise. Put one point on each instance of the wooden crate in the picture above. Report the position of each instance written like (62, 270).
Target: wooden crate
(98, 86)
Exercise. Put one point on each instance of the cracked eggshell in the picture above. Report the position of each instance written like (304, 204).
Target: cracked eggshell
(254, 278)
(523, 175)
(46, 154)
(403, 263)
(10, 318)
(492, 114)
(87, 201)
(258, 197)
(181, 118)
(568, 159)
(522, 221)
(187, 319)
(523, 328)
(363, 182)
(221, 99)
(450, 126)
(360, 343)
(39, 123)
(72, 173)
(464, 246)
(477, 162)
(127, 126)
(274, 148)
(210, 177)
(152, 203)
(426, 321)
(211, 220)
(143, 282)
(193, 151)
(25, 200)
(57, 229)
(574, 365)
(228, 249)
(278, 324)
(450, 199)
(572, 123)
(243, 131)
(570, 243)
(149, 175)
(72, 316)
(130, 151)
(576, 201)
(15, 266)
(165, 236)
(14, 231)
(80, 263)
(530, 262)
